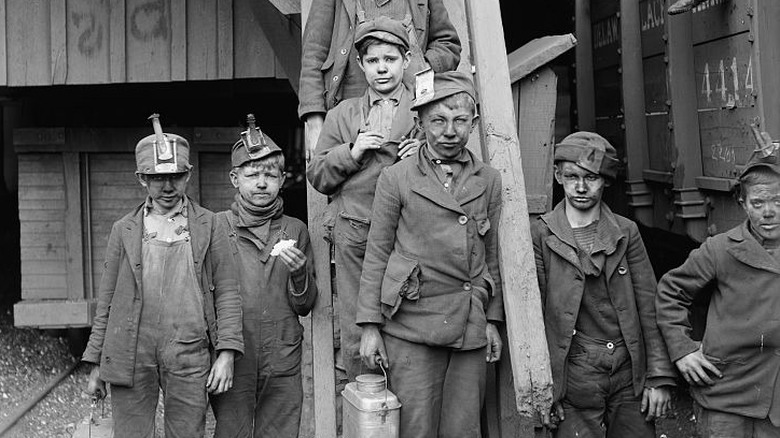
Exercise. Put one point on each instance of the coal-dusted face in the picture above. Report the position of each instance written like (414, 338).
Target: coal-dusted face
(166, 189)
(582, 188)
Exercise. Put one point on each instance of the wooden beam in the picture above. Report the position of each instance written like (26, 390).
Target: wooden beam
(3, 51)
(527, 345)
(178, 40)
(537, 53)
(287, 7)
(117, 61)
(535, 109)
(54, 313)
(633, 85)
(586, 95)
(323, 364)
(225, 39)
(59, 52)
(284, 36)
(74, 258)
(685, 124)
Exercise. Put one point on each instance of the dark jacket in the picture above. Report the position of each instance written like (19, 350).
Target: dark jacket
(114, 337)
(631, 286)
(742, 336)
(270, 301)
(328, 46)
(333, 171)
(431, 272)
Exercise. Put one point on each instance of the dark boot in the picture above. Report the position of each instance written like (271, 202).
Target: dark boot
(682, 6)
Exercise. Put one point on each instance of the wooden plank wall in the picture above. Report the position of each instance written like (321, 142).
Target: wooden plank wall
(42, 226)
(112, 190)
(73, 186)
(48, 42)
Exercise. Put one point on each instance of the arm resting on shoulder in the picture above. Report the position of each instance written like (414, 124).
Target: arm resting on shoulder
(443, 48)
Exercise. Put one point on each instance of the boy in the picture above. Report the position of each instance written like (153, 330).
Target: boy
(361, 136)
(266, 397)
(430, 293)
(169, 295)
(329, 73)
(611, 373)
(733, 371)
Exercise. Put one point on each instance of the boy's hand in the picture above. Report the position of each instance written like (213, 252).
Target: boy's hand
(313, 128)
(221, 376)
(694, 367)
(656, 402)
(494, 343)
(95, 386)
(294, 258)
(366, 141)
(408, 147)
(552, 418)
(372, 347)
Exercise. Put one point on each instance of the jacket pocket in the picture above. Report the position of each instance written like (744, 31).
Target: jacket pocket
(401, 280)
(352, 230)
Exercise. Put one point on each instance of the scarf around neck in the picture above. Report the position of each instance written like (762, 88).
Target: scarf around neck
(256, 219)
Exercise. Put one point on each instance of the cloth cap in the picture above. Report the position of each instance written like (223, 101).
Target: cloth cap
(253, 145)
(445, 84)
(171, 156)
(384, 29)
(589, 151)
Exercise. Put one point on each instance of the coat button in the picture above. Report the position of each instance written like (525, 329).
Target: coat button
(622, 270)
(467, 286)
(462, 220)
(343, 51)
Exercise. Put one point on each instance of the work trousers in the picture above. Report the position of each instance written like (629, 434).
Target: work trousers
(269, 406)
(441, 390)
(716, 424)
(350, 250)
(172, 352)
(599, 401)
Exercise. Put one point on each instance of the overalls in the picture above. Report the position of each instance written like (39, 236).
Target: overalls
(267, 392)
(172, 352)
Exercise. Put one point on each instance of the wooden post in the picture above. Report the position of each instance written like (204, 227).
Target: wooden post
(527, 345)
(586, 100)
(633, 77)
(685, 126)
(321, 327)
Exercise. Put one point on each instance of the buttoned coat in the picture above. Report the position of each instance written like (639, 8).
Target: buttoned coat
(328, 46)
(431, 272)
(742, 336)
(334, 172)
(114, 337)
(630, 283)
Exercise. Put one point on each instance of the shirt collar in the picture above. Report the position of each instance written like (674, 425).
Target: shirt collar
(180, 209)
(463, 157)
(395, 96)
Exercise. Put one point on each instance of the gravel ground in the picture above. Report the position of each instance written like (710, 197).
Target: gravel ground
(29, 359)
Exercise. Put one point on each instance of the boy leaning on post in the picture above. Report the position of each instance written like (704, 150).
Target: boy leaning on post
(168, 297)
(277, 286)
(360, 137)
